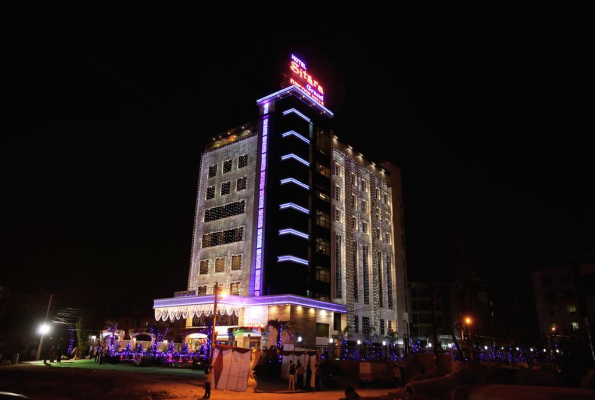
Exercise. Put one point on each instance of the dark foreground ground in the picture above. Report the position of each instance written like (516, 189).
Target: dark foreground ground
(88, 380)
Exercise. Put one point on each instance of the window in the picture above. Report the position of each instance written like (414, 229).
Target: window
(204, 267)
(378, 213)
(551, 311)
(549, 295)
(574, 326)
(571, 309)
(385, 198)
(365, 274)
(322, 297)
(364, 185)
(364, 227)
(354, 201)
(389, 282)
(227, 166)
(201, 290)
(337, 215)
(354, 223)
(213, 171)
(323, 219)
(387, 235)
(338, 286)
(243, 161)
(219, 265)
(241, 183)
(323, 274)
(378, 279)
(322, 330)
(377, 193)
(323, 246)
(364, 206)
(323, 196)
(338, 170)
(382, 327)
(338, 193)
(353, 179)
(225, 237)
(323, 141)
(236, 262)
(377, 234)
(354, 271)
(226, 211)
(234, 288)
(323, 170)
(225, 188)
(356, 323)
(210, 192)
(366, 325)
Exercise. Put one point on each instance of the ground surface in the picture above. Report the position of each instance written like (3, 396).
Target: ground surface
(85, 379)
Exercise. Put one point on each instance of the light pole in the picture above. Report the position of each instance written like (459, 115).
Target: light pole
(468, 322)
(216, 293)
(44, 328)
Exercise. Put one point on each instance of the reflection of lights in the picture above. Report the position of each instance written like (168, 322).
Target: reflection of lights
(429, 344)
(384, 342)
(299, 339)
(544, 350)
(485, 347)
(331, 340)
(531, 349)
(450, 345)
(517, 349)
(557, 351)
(359, 341)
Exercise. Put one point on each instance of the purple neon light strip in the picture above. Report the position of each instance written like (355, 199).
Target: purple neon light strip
(297, 158)
(292, 180)
(300, 91)
(292, 259)
(251, 301)
(293, 110)
(261, 195)
(293, 232)
(297, 135)
(294, 206)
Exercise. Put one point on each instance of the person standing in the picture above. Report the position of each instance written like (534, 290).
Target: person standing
(46, 354)
(291, 375)
(300, 375)
(308, 377)
(208, 379)
(317, 377)
(58, 354)
(52, 354)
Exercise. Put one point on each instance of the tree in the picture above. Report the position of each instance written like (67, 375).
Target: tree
(280, 325)
(82, 338)
(111, 327)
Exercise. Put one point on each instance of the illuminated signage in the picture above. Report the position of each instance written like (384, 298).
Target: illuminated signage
(302, 79)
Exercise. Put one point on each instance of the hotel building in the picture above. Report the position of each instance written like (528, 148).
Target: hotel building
(294, 225)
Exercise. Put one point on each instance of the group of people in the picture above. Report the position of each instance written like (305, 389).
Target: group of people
(297, 372)
(99, 353)
(53, 354)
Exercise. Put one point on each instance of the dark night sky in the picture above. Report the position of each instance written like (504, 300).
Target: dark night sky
(490, 110)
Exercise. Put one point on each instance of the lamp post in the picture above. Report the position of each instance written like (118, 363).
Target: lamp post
(468, 322)
(216, 292)
(44, 328)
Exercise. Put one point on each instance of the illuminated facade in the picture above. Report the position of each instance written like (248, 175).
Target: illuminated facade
(295, 225)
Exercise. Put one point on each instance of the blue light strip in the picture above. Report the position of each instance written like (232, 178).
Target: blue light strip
(297, 135)
(294, 88)
(291, 180)
(294, 206)
(292, 259)
(288, 156)
(293, 110)
(293, 232)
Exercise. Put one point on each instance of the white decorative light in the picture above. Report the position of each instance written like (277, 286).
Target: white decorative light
(293, 110)
(292, 259)
(295, 181)
(297, 135)
(293, 232)
(294, 206)
(297, 158)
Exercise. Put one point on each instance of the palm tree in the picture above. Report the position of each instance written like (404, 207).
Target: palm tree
(343, 335)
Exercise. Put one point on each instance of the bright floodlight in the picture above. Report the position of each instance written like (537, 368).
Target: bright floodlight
(468, 321)
(384, 342)
(222, 295)
(44, 328)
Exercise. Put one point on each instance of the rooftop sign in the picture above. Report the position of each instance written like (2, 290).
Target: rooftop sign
(299, 77)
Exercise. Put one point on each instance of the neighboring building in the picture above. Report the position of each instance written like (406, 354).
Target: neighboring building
(295, 225)
(431, 303)
(565, 295)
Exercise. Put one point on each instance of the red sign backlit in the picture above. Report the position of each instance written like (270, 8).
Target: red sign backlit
(302, 79)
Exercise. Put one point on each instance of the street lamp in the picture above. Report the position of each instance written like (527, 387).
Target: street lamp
(217, 293)
(468, 322)
(44, 328)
